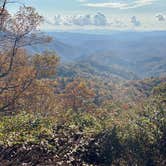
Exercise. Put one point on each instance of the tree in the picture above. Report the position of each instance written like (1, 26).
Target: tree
(14, 85)
(45, 64)
(20, 31)
(77, 96)
(3, 13)
(16, 32)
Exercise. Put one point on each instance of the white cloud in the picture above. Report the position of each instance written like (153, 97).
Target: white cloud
(98, 19)
(103, 21)
(114, 22)
(135, 21)
(160, 17)
(120, 4)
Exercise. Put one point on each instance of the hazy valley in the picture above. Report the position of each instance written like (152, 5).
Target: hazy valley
(130, 55)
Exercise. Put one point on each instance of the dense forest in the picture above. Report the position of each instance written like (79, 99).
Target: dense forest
(54, 113)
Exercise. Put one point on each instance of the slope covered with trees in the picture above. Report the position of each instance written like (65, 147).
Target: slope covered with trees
(50, 117)
(128, 55)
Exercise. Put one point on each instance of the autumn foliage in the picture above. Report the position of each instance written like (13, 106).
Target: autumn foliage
(77, 96)
(46, 119)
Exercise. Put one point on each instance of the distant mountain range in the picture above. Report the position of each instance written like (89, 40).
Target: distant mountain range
(129, 55)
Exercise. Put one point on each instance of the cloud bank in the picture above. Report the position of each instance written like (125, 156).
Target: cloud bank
(98, 19)
(102, 21)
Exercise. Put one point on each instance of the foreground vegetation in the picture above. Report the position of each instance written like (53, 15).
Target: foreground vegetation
(109, 135)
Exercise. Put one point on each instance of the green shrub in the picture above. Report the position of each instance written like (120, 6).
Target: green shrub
(24, 128)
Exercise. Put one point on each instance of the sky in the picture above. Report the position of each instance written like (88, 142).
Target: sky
(144, 15)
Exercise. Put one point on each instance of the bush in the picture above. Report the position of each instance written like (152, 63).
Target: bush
(24, 128)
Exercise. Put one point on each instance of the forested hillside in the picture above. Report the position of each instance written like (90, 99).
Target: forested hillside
(64, 102)
(129, 55)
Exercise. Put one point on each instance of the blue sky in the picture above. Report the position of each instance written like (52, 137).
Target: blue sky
(102, 14)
